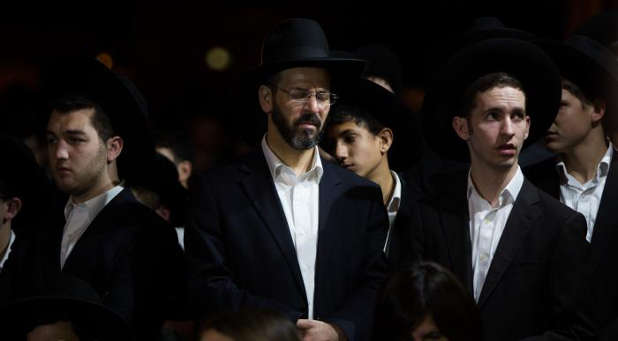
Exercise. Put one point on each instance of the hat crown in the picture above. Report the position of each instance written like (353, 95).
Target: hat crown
(487, 23)
(295, 39)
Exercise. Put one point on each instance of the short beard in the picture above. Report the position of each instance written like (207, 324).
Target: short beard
(299, 140)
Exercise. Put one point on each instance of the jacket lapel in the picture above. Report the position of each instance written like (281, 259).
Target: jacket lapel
(607, 219)
(260, 188)
(329, 190)
(517, 226)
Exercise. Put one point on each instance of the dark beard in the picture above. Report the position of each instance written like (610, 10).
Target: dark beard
(298, 139)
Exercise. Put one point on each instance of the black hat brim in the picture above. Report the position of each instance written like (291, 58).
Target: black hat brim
(525, 61)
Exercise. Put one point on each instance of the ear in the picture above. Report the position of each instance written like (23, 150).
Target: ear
(385, 139)
(184, 170)
(460, 125)
(598, 112)
(265, 96)
(114, 147)
(527, 127)
(13, 206)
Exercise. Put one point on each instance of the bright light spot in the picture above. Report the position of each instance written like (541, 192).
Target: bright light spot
(106, 59)
(218, 58)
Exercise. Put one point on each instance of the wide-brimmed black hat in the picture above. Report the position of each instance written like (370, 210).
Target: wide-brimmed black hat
(588, 64)
(302, 42)
(603, 28)
(525, 61)
(484, 28)
(61, 299)
(382, 63)
(116, 95)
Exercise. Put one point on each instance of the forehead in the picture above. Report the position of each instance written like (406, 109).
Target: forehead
(74, 120)
(505, 97)
(347, 126)
(305, 76)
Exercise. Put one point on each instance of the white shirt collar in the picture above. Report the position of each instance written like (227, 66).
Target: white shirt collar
(93, 205)
(509, 193)
(8, 249)
(276, 166)
(602, 167)
(395, 200)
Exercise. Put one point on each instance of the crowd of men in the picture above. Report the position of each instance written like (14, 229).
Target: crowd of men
(354, 219)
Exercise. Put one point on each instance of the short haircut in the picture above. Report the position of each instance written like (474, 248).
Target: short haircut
(425, 289)
(342, 113)
(576, 91)
(482, 84)
(100, 120)
(252, 325)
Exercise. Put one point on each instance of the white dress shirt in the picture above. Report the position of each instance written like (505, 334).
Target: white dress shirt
(8, 249)
(486, 226)
(299, 196)
(78, 218)
(393, 206)
(585, 198)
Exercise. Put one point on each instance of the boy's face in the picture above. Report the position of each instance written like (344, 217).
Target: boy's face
(573, 123)
(355, 147)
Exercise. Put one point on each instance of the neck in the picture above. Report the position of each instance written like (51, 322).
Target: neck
(5, 237)
(582, 160)
(490, 182)
(382, 176)
(299, 160)
(101, 187)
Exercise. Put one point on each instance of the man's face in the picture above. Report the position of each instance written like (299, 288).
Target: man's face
(571, 126)
(496, 128)
(355, 147)
(300, 123)
(77, 156)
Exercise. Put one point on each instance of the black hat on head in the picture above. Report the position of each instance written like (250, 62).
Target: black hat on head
(302, 42)
(588, 64)
(64, 299)
(382, 63)
(116, 95)
(522, 60)
(603, 28)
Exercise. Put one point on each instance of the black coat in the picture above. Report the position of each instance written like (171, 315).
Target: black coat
(129, 255)
(600, 300)
(241, 252)
(533, 277)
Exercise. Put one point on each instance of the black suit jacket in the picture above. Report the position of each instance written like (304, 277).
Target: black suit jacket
(241, 252)
(600, 299)
(129, 255)
(533, 276)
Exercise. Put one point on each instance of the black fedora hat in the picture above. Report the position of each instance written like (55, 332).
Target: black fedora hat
(116, 95)
(61, 299)
(587, 63)
(301, 42)
(603, 28)
(523, 60)
(484, 28)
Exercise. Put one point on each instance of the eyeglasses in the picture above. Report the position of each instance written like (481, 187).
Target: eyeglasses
(301, 96)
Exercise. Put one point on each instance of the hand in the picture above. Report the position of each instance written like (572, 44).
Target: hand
(312, 330)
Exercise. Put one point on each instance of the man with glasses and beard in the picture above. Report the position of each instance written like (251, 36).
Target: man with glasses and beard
(283, 229)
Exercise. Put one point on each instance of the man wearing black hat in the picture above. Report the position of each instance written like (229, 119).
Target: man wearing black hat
(360, 132)
(283, 229)
(584, 175)
(518, 251)
(104, 236)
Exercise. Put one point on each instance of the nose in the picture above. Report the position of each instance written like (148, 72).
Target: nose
(507, 127)
(341, 152)
(312, 104)
(60, 150)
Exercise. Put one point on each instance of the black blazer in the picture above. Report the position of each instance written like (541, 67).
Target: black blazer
(534, 274)
(601, 297)
(129, 255)
(241, 252)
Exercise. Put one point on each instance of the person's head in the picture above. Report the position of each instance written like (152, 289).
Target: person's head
(82, 145)
(249, 325)
(493, 121)
(177, 148)
(425, 302)
(297, 102)
(357, 140)
(577, 119)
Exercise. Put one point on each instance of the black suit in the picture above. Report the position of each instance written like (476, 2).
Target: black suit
(241, 252)
(533, 275)
(129, 255)
(601, 300)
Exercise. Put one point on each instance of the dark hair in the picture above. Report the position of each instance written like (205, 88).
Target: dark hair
(178, 143)
(100, 120)
(576, 91)
(482, 84)
(425, 289)
(342, 113)
(253, 325)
